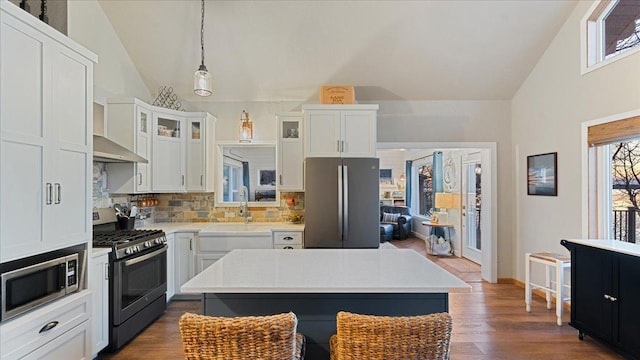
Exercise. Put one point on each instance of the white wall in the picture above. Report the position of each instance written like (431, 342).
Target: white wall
(547, 112)
(460, 122)
(114, 74)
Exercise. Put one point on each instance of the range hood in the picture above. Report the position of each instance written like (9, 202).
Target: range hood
(105, 150)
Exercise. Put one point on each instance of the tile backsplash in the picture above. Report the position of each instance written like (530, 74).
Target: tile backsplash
(193, 207)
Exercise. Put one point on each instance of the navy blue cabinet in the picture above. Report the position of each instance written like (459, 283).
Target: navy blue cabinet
(605, 296)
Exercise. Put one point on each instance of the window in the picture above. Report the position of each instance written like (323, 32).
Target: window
(612, 29)
(614, 190)
(232, 178)
(424, 188)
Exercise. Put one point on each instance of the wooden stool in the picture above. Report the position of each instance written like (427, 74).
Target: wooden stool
(550, 260)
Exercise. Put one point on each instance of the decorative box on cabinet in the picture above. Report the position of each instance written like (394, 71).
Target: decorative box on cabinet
(46, 157)
(290, 156)
(605, 292)
(99, 285)
(129, 124)
(340, 130)
(200, 152)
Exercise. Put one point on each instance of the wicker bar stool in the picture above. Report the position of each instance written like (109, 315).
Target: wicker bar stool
(249, 337)
(391, 337)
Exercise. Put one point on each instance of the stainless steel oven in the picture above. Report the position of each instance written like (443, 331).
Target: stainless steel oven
(137, 276)
(36, 280)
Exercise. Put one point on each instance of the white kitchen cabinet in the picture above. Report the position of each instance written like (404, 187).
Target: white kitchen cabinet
(200, 152)
(169, 152)
(99, 285)
(171, 266)
(206, 260)
(340, 130)
(290, 152)
(288, 239)
(46, 92)
(129, 124)
(184, 259)
(22, 337)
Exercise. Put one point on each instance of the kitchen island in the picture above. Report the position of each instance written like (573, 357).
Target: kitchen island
(317, 283)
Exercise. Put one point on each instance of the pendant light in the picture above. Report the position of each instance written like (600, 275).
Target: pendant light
(202, 77)
(246, 128)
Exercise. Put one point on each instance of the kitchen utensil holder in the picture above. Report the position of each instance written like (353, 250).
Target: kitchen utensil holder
(126, 223)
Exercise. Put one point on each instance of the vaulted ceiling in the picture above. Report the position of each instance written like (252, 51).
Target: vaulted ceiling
(389, 50)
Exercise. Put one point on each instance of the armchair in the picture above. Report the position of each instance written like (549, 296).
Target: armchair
(399, 218)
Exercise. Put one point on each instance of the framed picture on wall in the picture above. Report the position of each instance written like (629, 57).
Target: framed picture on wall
(542, 174)
(386, 177)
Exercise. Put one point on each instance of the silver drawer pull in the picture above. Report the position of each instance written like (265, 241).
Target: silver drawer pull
(48, 327)
(287, 247)
(287, 238)
(610, 298)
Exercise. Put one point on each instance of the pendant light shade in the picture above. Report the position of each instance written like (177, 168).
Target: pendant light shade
(202, 78)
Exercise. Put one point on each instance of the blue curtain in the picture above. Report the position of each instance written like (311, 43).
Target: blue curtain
(438, 185)
(407, 188)
(246, 177)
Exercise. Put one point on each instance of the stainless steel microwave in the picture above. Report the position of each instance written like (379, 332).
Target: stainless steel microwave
(37, 280)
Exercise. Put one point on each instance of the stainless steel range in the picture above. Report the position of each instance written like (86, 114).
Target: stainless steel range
(137, 276)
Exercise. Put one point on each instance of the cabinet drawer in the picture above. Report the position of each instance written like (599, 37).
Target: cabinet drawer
(287, 246)
(72, 345)
(22, 335)
(287, 238)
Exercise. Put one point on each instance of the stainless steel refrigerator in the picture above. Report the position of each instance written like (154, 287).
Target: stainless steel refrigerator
(342, 206)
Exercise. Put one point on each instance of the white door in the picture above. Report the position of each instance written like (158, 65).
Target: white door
(358, 133)
(143, 148)
(322, 133)
(471, 208)
(195, 155)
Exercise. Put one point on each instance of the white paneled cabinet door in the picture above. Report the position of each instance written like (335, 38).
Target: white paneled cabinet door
(185, 257)
(100, 303)
(201, 153)
(71, 150)
(169, 145)
(358, 129)
(290, 152)
(322, 133)
(171, 266)
(23, 140)
(340, 130)
(143, 148)
(46, 87)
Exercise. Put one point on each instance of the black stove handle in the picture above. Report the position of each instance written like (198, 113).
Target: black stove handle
(145, 257)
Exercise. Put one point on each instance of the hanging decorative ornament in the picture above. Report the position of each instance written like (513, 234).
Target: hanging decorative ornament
(202, 77)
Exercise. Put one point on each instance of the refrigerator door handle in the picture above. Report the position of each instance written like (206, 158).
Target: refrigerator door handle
(340, 197)
(345, 176)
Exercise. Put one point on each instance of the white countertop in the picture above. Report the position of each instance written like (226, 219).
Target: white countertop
(173, 227)
(611, 245)
(324, 271)
(97, 251)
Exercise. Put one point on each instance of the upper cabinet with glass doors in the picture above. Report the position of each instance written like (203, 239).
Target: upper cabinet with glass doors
(200, 152)
(290, 152)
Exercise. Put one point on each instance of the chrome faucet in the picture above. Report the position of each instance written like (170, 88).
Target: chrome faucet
(244, 206)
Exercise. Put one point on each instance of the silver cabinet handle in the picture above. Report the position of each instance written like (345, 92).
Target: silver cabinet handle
(340, 202)
(610, 298)
(140, 178)
(191, 244)
(49, 194)
(201, 180)
(280, 177)
(58, 190)
(182, 180)
(48, 326)
(342, 146)
(345, 175)
(106, 271)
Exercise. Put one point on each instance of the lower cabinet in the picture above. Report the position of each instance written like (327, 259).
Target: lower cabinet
(99, 285)
(206, 260)
(605, 293)
(185, 244)
(287, 239)
(171, 266)
(23, 337)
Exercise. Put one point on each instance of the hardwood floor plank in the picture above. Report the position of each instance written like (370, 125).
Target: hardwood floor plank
(489, 323)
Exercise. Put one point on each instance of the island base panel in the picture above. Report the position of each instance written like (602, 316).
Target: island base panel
(317, 312)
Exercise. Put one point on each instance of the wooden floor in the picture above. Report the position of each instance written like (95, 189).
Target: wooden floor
(489, 322)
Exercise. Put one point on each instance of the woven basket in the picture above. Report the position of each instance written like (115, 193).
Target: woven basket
(251, 337)
(391, 338)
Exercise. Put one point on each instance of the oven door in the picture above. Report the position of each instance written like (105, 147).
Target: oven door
(136, 282)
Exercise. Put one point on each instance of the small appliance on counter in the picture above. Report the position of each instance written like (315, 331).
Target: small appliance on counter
(137, 274)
